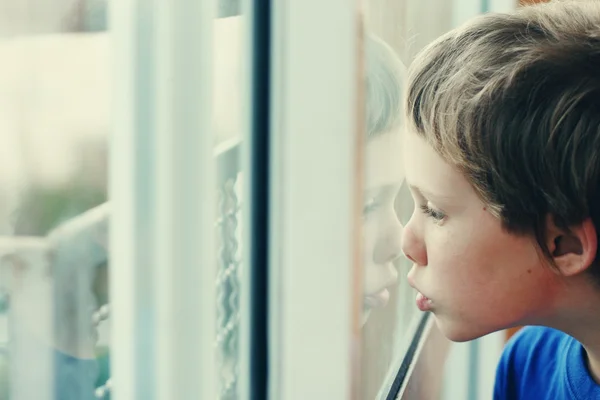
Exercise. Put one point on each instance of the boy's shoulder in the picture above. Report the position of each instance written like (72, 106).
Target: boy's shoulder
(534, 340)
(534, 348)
(534, 362)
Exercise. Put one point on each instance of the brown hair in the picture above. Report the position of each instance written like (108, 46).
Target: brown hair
(513, 101)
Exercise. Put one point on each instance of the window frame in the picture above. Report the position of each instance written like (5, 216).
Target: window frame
(159, 172)
(312, 356)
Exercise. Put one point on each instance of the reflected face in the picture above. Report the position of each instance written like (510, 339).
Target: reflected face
(475, 277)
(381, 228)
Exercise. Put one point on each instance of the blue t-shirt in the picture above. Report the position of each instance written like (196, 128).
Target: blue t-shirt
(544, 364)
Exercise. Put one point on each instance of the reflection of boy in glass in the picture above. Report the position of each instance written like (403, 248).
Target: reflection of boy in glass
(381, 228)
(383, 173)
(502, 158)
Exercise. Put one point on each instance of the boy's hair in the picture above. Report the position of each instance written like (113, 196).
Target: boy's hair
(513, 101)
(384, 80)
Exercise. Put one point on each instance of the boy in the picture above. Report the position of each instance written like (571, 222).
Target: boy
(502, 158)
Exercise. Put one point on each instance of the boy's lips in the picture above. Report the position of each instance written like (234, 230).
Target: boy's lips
(424, 303)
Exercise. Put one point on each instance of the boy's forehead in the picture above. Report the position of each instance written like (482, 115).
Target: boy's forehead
(426, 170)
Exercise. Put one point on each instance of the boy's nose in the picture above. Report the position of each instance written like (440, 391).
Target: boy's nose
(413, 247)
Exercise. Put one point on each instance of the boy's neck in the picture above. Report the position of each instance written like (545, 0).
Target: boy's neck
(593, 366)
(580, 318)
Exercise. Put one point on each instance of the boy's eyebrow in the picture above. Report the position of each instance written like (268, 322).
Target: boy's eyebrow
(427, 194)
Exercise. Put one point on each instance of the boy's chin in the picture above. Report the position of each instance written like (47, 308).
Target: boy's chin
(459, 332)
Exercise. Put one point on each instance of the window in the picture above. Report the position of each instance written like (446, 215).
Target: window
(206, 197)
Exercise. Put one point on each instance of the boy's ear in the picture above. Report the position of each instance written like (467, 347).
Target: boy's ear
(573, 251)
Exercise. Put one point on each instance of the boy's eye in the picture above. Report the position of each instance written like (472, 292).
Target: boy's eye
(437, 215)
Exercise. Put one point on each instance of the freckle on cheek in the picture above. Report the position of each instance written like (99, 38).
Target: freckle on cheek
(528, 271)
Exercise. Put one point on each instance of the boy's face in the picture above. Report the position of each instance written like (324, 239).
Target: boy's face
(474, 276)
